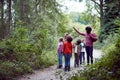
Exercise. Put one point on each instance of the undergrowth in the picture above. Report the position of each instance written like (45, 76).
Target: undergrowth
(108, 67)
(21, 54)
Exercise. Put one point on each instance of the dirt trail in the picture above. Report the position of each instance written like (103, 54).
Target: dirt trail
(52, 73)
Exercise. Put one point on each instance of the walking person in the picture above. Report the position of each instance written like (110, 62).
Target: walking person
(82, 53)
(60, 52)
(90, 38)
(77, 50)
(67, 51)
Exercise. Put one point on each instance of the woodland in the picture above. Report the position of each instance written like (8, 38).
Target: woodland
(29, 32)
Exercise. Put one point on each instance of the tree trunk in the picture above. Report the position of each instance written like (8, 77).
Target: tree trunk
(101, 13)
(9, 19)
(42, 7)
(36, 11)
(22, 10)
(2, 20)
(101, 17)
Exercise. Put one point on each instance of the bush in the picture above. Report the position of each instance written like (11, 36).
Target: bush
(8, 69)
(108, 67)
(20, 54)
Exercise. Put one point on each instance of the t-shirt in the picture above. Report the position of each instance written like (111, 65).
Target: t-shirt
(67, 47)
(75, 50)
(83, 47)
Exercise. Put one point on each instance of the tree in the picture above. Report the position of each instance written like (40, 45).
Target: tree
(22, 10)
(111, 13)
(2, 20)
(99, 6)
(9, 18)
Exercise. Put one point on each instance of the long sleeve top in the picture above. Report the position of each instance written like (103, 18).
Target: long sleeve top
(60, 47)
(88, 41)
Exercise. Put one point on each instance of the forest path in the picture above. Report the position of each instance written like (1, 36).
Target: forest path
(52, 73)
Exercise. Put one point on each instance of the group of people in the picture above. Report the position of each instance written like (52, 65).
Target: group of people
(65, 48)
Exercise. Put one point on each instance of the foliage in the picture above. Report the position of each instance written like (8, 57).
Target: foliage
(62, 24)
(107, 68)
(85, 18)
(75, 17)
(35, 26)
(26, 51)
(8, 69)
(108, 11)
(91, 19)
(110, 16)
(98, 45)
(79, 26)
(35, 50)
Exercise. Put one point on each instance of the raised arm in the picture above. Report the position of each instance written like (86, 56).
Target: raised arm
(83, 34)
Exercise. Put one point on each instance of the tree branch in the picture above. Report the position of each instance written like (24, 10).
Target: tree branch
(96, 2)
(97, 10)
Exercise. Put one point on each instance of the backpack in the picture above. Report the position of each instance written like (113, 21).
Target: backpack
(93, 37)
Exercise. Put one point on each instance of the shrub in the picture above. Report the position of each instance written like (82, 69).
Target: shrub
(108, 67)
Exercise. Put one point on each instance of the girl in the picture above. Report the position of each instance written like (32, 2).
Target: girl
(60, 52)
(65, 36)
(67, 50)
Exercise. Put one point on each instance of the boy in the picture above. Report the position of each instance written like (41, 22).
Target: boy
(77, 51)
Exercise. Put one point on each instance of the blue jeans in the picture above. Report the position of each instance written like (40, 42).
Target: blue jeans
(67, 59)
(60, 58)
(89, 51)
(81, 56)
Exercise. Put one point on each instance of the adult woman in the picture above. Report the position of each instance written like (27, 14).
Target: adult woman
(89, 37)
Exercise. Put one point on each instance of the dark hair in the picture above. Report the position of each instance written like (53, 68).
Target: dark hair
(88, 29)
(78, 41)
(61, 39)
(69, 38)
(65, 36)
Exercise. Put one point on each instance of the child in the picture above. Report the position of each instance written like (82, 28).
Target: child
(67, 51)
(65, 36)
(90, 38)
(77, 50)
(60, 52)
(82, 53)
